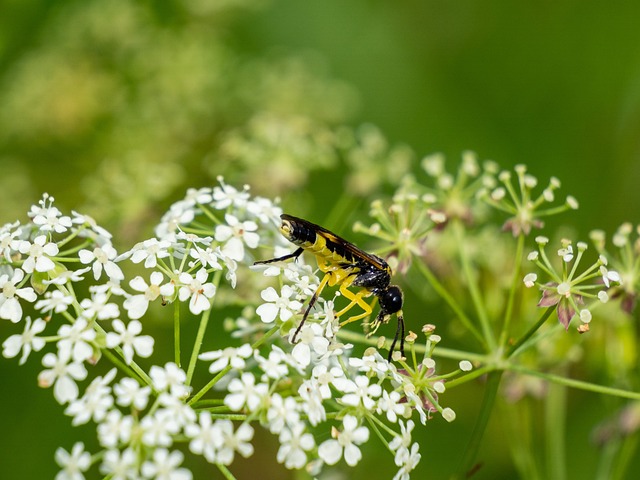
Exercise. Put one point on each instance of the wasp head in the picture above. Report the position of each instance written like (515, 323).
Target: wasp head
(390, 300)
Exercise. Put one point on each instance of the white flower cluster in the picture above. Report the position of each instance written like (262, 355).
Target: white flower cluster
(321, 404)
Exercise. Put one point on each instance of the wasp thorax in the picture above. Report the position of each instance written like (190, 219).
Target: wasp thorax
(391, 299)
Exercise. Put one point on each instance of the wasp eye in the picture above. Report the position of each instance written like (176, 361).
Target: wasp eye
(391, 299)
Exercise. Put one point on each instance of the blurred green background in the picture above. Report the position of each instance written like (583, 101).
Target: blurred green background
(116, 107)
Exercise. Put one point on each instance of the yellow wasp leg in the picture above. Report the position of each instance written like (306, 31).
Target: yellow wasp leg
(356, 299)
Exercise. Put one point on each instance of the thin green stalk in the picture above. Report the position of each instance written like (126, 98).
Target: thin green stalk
(225, 471)
(474, 290)
(471, 452)
(453, 304)
(628, 452)
(543, 318)
(555, 420)
(176, 334)
(209, 385)
(515, 283)
(579, 384)
(197, 344)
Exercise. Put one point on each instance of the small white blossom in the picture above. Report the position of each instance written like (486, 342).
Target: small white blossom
(48, 217)
(98, 306)
(62, 374)
(229, 356)
(102, 259)
(129, 338)
(390, 403)
(158, 429)
(165, 466)
(77, 338)
(282, 412)
(118, 465)
(137, 305)
(115, 428)
(55, 301)
(344, 442)
(566, 253)
(225, 196)
(38, 254)
(150, 251)
(208, 257)
(65, 276)
(130, 393)
(326, 377)
(95, 403)
(609, 276)
(361, 393)
(278, 305)
(407, 460)
(294, 442)
(274, 366)
(311, 405)
(25, 342)
(311, 340)
(235, 235)
(171, 379)
(10, 308)
(74, 463)
(530, 280)
(232, 442)
(244, 391)
(206, 438)
(197, 290)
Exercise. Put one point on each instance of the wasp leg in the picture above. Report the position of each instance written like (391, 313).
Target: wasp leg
(293, 255)
(399, 333)
(356, 299)
(312, 302)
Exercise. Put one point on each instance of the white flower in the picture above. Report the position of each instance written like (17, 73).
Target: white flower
(150, 251)
(608, 276)
(294, 442)
(311, 405)
(235, 234)
(329, 376)
(115, 428)
(530, 280)
(311, 338)
(278, 305)
(86, 220)
(38, 254)
(62, 375)
(101, 259)
(10, 308)
(372, 362)
(137, 305)
(130, 393)
(205, 436)
(235, 357)
(390, 403)
(55, 301)
(282, 412)
(361, 393)
(274, 366)
(404, 439)
(98, 306)
(226, 195)
(208, 257)
(177, 409)
(165, 466)
(196, 289)
(171, 378)
(243, 391)
(158, 429)
(118, 465)
(129, 338)
(407, 460)
(566, 253)
(95, 402)
(27, 341)
(74, 463)
(77, 338)
(66, 276)
(345, 442)
(48, 217)
(264, 210)
(10, 241)
(237, 441)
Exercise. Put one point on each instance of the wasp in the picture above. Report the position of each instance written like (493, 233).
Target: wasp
(345, 265)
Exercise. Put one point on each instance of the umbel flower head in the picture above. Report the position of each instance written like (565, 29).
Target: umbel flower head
(525, 209)
(566, 288)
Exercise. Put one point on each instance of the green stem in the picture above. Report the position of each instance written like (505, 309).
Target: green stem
(197, 344)
(515, 282)
(579, 384)
(555, 419)
(543, 318)
(225, 471)
(474, 290)
(490, 394)
(453, 304)
(176, 334)
(209, 385)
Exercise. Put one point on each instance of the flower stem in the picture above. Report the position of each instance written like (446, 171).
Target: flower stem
(512, 292)
(555, 422)
(226, 473)
(491, 391)
(476, 297)
(176, 334)
(204, 320)
(446, 296)
(543, 318)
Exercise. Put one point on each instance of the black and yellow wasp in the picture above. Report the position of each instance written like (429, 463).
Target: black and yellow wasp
(346, 265)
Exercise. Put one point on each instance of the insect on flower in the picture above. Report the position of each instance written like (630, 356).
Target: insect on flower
(345, 265)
